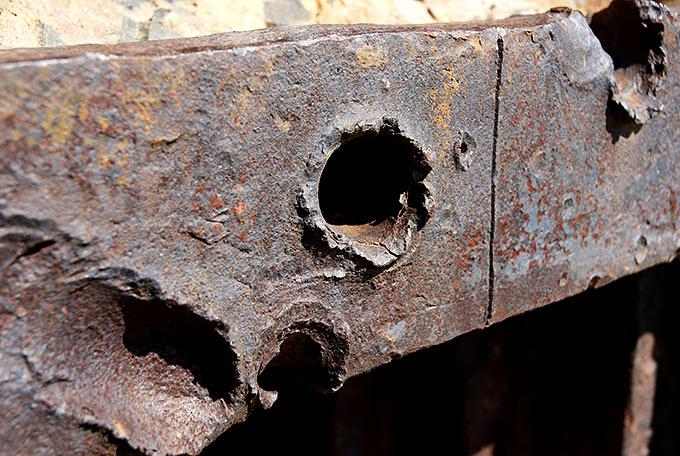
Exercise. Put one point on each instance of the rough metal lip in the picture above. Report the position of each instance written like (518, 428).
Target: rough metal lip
(169, 181)
(272, 36)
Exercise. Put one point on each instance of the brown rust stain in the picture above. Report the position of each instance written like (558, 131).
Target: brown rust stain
(57, 121)
(442, 99)
(370, 56)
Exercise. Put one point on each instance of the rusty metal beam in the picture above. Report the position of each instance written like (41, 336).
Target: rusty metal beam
(169, 260)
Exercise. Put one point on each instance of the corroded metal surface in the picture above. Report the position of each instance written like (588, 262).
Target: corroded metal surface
(584, 194)
(166, 261)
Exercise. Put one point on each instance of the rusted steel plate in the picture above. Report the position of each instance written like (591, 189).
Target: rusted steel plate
(162, 232)
(189, 225)
(585, 191)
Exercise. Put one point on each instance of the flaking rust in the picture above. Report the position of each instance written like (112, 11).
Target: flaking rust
(166, 262)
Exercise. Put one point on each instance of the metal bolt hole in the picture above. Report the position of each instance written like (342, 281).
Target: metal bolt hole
(371, 178)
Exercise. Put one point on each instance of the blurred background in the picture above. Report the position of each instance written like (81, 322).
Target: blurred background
(38, 23)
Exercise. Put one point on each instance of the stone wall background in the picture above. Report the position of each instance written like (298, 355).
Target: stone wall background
(38, 23)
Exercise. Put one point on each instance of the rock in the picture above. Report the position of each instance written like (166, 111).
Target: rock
(43, 23)
(158, 30)
(48, 36)
(283, 12)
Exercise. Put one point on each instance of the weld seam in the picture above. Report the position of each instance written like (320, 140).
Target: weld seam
(492, 225)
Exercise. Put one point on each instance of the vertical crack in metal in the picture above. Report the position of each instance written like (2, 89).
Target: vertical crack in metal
(492, 227)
